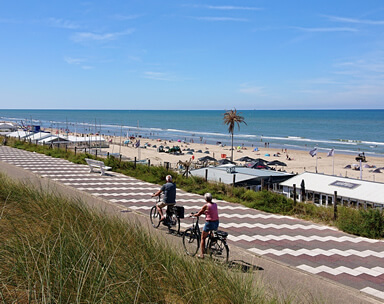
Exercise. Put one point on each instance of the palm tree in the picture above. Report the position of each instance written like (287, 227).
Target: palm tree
(231, 118)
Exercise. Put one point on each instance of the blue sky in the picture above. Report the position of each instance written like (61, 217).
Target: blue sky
(176, 54)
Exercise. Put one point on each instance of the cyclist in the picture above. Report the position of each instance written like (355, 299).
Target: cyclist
(211, 220)
(169, 197)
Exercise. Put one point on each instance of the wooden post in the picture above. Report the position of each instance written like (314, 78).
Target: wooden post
(206, 174)
(75, 150)
(335, 206)
(149, 162)
(262, 184)
(234, 179)
(135, 162)
(66, 148)
(96, 152)
(107, 154)
(294, 194)
(119, 158)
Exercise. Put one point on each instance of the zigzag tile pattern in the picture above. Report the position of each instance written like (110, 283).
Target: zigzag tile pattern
(354, 261)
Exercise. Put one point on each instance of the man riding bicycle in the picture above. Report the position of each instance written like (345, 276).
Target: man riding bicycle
(211, 220)
(169, 197)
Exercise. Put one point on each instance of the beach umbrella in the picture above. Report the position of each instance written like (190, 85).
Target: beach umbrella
(207, 158)
(225, 162)
(258, 165)
(276, 163)
(245, 159)
(260, 160)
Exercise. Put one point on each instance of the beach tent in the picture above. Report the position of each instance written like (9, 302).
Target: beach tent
(348, 167)
(377, 170)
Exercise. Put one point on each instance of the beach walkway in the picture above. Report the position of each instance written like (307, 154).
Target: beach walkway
(351, 261)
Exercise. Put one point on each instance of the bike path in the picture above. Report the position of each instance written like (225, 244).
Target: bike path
(351, 261)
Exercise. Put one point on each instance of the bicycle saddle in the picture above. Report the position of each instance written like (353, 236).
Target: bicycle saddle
(222, 233)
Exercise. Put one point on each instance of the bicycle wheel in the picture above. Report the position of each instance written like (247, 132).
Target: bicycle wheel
(191, 241)
(155, 217)
(219, 251)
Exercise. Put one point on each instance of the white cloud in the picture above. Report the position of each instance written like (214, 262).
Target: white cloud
(74, 61)
(356, 21)
(88, 36)
(61, 23)
(157, 76)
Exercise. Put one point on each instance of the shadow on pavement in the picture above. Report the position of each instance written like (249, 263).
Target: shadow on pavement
(243, 266)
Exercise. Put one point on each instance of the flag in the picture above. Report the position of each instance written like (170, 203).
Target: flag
(313, 152)
(331, 153)
(137, 144)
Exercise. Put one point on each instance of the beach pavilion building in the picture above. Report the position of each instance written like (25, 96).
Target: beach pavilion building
(253, 179)
(20, 134)
(320, 189)
(7, 127)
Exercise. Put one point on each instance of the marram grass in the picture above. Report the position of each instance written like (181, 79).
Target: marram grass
(56, 250)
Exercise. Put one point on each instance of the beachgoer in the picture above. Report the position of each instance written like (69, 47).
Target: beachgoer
(169, 197)
(211, 220)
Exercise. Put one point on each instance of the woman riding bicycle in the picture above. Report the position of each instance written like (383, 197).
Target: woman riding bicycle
(211, 220)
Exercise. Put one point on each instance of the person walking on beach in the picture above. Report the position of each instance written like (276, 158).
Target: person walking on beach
(169, 197)
(211, 220)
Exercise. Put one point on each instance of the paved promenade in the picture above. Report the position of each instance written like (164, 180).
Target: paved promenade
(351, 261)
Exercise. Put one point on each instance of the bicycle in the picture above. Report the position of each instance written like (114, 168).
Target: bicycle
(217, 247)
(172, 218)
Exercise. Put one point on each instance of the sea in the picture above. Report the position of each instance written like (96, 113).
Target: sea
(345, 131)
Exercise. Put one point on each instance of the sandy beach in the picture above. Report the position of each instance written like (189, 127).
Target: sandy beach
(300, 161)
(297, 161)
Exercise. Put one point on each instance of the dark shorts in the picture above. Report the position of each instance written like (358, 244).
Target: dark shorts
(211, 226)
(162, 204)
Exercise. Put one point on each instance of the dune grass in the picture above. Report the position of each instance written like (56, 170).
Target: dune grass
(56, 250)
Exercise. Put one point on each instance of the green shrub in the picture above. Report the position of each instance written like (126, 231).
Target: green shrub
(269, 202)
(368, 223)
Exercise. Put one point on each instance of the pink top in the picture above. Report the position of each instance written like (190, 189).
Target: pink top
(211, 214)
